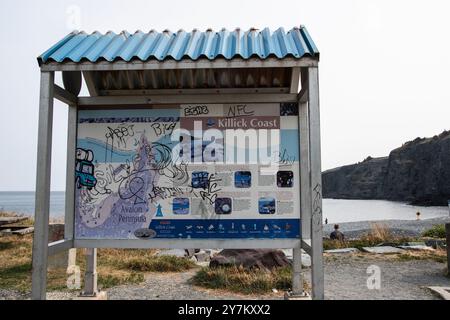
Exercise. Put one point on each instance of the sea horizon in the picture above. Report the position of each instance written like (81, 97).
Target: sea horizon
(334, 210)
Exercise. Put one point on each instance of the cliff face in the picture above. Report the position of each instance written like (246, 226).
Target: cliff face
(418, 172)
(357, 181)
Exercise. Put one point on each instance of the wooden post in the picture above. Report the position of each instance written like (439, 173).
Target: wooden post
(316, 185)
(43, 173)
(447, 234)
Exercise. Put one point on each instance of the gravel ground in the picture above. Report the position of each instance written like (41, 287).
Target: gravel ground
(12, 295)
(175, 287)
(167, 286)
(409, 228)
(345, 279)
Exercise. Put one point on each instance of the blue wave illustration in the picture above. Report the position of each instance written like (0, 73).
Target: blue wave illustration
(104, 152)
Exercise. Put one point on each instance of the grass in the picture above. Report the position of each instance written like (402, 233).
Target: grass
(437, 231)
(143, 261)
(159, 264)
(115, 267)
(240, 280)
(438, 255)
(15, 261)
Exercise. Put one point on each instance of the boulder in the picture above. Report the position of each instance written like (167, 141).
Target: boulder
(189, 252)
(417, 248)
(250, 258)
(202, 256)
(306, 259)
(212, 252)
(383, 250)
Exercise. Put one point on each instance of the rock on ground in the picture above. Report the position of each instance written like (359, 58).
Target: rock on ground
(383, 250)
(250, 258)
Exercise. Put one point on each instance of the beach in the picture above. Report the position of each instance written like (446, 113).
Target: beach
(400, 228)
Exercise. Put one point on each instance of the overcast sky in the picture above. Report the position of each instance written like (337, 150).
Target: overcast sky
(384, 70)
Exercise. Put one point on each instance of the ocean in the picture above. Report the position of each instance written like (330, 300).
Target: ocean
(336, 211)
(23, 203)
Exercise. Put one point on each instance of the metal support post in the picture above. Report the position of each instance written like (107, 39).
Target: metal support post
(90, 276)
(43, 173)
(317, 272)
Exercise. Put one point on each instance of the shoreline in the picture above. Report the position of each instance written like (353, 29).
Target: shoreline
(412, 203)
(407, 228)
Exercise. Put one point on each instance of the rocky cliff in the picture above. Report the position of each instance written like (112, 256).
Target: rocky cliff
(418, 172)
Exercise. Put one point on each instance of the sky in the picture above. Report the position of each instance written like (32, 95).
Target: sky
(384, 69)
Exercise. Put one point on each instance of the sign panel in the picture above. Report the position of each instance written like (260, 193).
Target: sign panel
(188, 172)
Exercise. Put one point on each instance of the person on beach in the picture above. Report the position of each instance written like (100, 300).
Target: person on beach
(336, 234)
(326, 220)
(418, 215)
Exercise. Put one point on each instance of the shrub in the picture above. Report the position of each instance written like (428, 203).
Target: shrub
(437, 231)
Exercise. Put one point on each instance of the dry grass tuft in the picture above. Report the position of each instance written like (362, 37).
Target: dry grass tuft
(143, 261)
(240, 280)
(379, 232)
(9, 214)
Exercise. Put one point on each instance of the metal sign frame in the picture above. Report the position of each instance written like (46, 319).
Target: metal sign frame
(304, 70)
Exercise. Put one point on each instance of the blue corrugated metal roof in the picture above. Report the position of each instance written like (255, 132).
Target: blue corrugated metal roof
(79, 46)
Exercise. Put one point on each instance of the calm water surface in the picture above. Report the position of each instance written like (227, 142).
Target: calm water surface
(369, 210)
